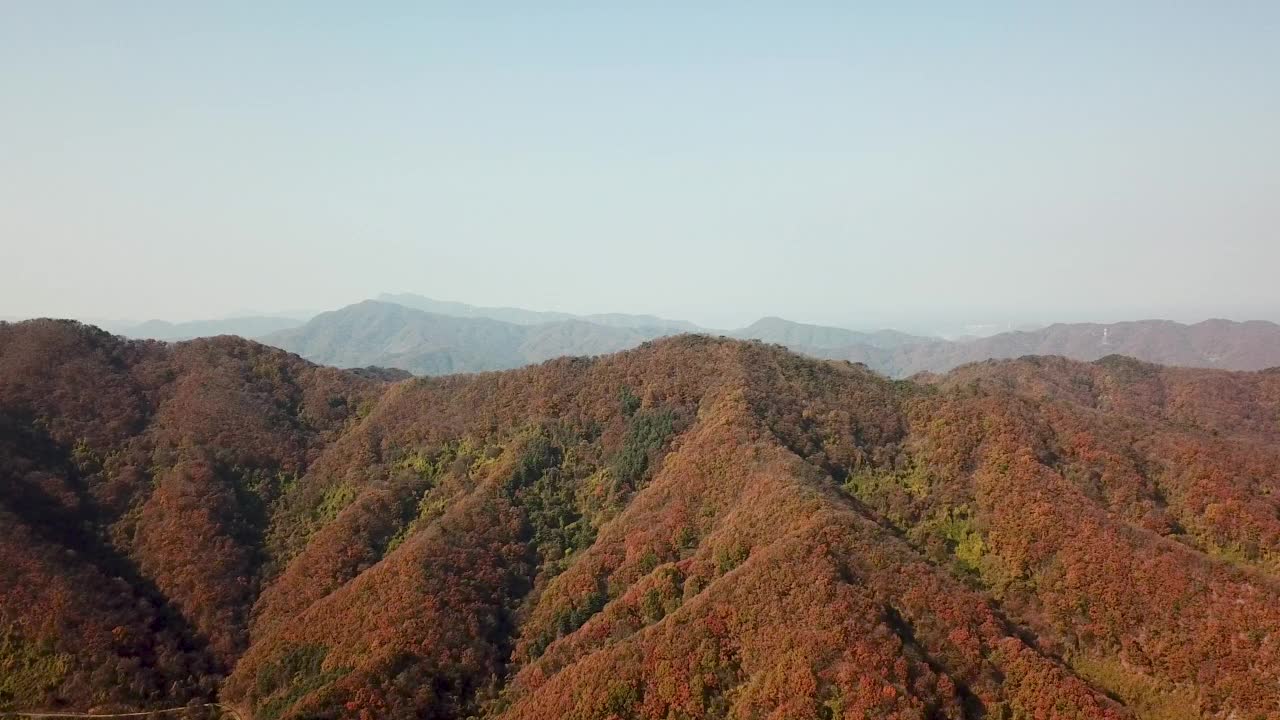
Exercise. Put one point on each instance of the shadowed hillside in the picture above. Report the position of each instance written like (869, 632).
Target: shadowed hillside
(695, 528)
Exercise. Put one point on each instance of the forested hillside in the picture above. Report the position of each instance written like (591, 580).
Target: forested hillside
(696, 528)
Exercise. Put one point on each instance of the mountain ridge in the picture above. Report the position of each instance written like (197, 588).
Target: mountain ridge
(1225, 344)
(386, 334)
(250, 327)
(521, 316)
(698, 525)
(451, 345)
(794, 334)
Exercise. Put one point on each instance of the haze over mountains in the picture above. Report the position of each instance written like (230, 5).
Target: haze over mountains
(391, 335)
(700, 528)
(1225, 344)
(396, 336)
(534, 317)
(821, 337)
(433, 337)
(247, 327)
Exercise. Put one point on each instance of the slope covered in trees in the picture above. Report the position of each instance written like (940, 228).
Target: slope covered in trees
(695, 528)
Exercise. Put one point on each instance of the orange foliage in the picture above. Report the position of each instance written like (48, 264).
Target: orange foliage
(697, 528)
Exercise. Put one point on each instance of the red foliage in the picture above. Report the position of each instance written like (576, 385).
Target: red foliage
(696, 528)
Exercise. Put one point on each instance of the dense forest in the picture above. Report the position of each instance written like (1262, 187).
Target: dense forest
(696, 528)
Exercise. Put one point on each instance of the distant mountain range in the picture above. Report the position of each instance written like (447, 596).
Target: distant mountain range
(425, 336)
(251, 327)
(430, 343)
(1222, 344)
(520, 316)
(453, 337)
(821, 337)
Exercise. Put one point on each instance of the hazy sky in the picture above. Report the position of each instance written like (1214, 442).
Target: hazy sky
(858, 163)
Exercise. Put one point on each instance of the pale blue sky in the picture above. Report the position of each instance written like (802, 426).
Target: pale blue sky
(855, 163)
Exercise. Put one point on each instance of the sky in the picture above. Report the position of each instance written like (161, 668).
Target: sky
(864, 164)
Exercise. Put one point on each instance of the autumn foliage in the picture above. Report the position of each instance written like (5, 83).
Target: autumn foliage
(698, 528)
